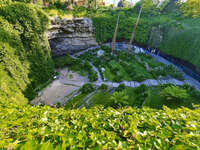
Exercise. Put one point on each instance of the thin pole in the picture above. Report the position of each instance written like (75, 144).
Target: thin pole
(115, 33)
(134, 28)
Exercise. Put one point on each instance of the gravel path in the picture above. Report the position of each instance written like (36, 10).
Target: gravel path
(60, 89)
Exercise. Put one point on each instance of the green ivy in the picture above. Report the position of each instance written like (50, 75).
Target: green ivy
(25, 59)
(28, 127)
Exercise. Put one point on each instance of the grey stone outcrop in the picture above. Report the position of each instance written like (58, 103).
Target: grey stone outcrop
(68, 36)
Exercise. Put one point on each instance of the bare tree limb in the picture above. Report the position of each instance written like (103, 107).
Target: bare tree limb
(115, 33)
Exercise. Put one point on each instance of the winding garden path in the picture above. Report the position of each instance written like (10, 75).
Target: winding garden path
(149, 82)
(65, 88)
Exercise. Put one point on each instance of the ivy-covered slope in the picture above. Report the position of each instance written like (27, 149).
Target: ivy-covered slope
(29, 127)
(25, 61)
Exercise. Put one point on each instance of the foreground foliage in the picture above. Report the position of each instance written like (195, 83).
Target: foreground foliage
(50, 128)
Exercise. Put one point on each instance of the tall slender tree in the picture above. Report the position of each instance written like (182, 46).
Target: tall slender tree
(120, 5)
(134, 28)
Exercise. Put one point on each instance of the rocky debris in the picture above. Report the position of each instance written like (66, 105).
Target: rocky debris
(68, 36)
(100, 53)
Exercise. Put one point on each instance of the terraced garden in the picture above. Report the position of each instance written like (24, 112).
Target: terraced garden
(128, 66)
(111, 72)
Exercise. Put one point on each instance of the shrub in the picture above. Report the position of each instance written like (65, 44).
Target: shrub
(121, 87)
(141, 89)
(139, 77)
(60, 5)
(119, 99)
(192, 91)
(87, 88)
(103, 87)
(117, 78)
(174, 94)
(64, 61)
(93, 76)
(87, 66)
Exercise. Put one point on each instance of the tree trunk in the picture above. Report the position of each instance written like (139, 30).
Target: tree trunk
(95, 4)
(115, 33)
(134, 29)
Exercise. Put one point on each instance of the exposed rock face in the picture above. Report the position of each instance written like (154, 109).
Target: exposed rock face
(67, 36)
(156, 37)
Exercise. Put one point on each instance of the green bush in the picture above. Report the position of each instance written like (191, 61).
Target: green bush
(87, 88)
(87, 66)
(64, 61)
(141, 89)
(117, 78)
(174, 94)
(103, 87)
(119, 99)
(93, 76)
(120, 88)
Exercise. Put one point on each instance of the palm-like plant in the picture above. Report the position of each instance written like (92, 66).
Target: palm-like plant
(119, 98)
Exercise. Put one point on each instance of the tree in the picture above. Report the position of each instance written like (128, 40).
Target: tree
(134, 28)
(120, 5)
(190, 7)
(174, 94)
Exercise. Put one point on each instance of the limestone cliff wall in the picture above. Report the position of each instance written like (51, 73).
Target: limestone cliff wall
(67, 36)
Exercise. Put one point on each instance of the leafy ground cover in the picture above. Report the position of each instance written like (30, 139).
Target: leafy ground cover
(28, 127)
(130, 67)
